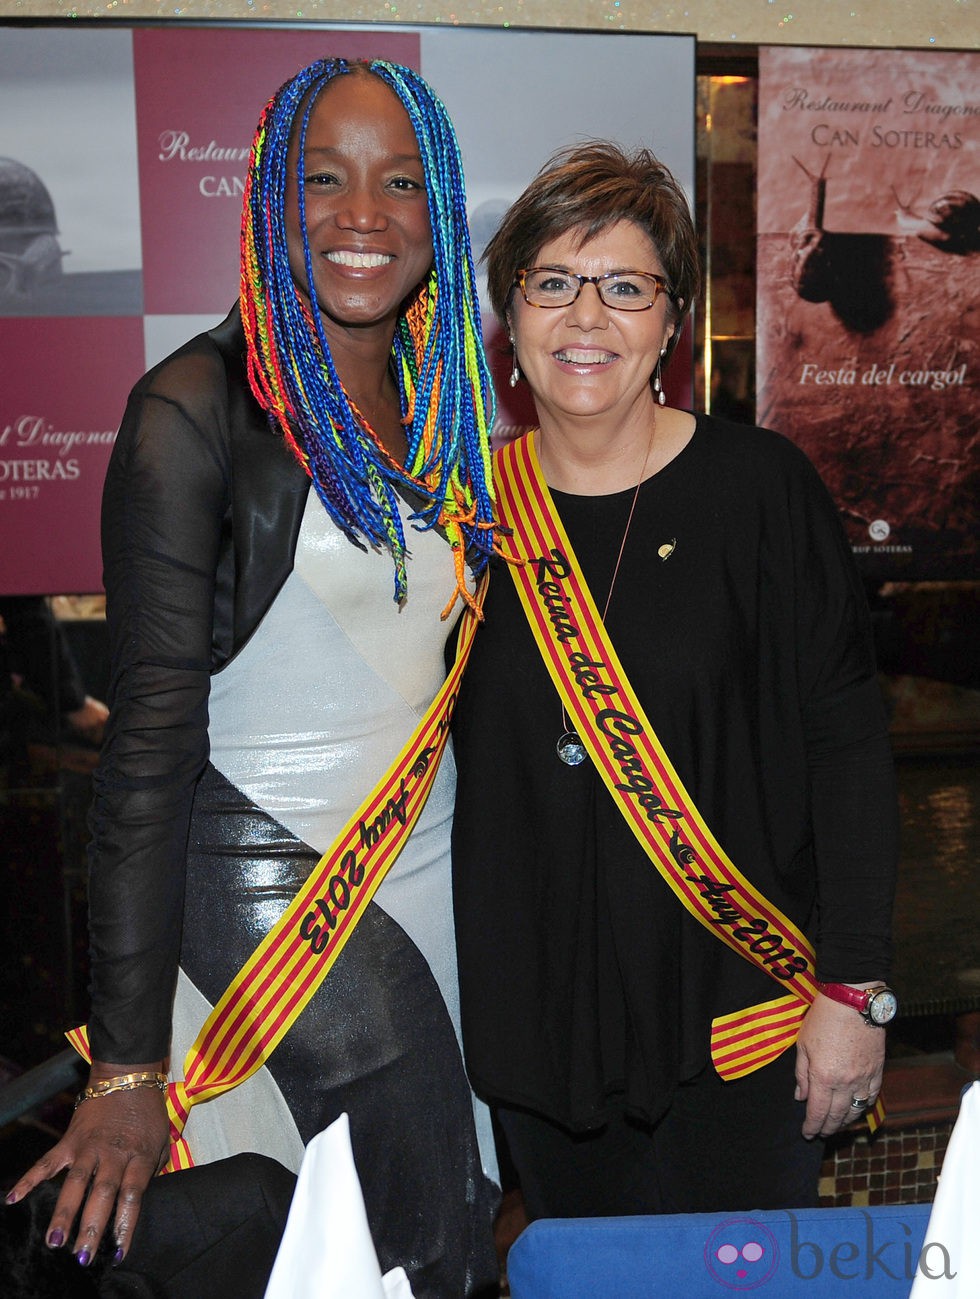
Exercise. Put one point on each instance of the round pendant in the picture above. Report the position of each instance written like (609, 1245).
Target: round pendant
(571, 750)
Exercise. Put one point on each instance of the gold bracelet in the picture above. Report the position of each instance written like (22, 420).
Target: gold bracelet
(124, 1082)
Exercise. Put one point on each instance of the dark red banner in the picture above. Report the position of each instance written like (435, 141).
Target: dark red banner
(868, 318)
(61, 405)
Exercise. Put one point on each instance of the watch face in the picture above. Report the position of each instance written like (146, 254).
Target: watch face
(882, 1006)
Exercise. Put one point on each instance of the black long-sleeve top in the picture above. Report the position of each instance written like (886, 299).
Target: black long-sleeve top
(201, 511)
(582, 977)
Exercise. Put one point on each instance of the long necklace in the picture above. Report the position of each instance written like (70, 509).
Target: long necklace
(570, 748)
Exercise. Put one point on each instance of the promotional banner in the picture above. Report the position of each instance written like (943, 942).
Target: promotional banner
(60, 405)
(122, 160)
(868, 276)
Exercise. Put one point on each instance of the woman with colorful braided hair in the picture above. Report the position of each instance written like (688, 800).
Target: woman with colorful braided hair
(267, 671)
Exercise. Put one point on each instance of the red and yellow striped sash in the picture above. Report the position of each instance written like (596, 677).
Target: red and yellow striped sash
(639, 775)
(274, 985)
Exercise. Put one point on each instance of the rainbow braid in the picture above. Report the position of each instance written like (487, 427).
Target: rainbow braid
(444, 381)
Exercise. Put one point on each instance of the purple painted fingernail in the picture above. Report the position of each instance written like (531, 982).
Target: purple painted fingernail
(11, 1199)
(119, 1255)
(83, 1258)
(56, 1239)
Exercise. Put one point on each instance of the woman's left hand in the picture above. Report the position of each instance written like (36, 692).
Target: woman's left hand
(839, 1056)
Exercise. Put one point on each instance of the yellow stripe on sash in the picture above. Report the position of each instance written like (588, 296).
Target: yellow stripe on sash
(640, 777)
(274, 985)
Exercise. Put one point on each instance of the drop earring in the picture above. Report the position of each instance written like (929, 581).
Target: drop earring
(515, 369)
(657, 385)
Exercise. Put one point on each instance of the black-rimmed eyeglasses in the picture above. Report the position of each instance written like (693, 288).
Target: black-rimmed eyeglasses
(545, 286)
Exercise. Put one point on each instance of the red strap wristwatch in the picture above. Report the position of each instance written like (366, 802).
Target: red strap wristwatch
(879, 1006)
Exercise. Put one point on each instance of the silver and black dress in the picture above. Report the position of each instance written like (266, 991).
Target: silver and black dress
(263, 679)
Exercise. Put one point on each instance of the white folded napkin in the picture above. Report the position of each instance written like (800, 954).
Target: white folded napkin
(396, 1284)
(326, 1250)
(949, 1265)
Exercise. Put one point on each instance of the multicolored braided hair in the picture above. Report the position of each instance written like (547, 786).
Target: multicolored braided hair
(444, 381)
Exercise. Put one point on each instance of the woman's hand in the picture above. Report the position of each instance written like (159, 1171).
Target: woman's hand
(113, 1146)
(838, 1056)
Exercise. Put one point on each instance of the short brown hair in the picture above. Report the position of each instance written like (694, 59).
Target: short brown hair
(593, 186)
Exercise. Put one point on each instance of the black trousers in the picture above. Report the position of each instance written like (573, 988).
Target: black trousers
(209, 1232)
(720, 1147)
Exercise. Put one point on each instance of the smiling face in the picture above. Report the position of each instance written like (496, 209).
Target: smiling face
(587, 359)
(367, 213)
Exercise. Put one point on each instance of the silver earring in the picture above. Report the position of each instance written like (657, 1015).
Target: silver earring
(657, 385)
(515, 369)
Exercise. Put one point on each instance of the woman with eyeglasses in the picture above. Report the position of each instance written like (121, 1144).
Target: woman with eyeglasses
(675, 836)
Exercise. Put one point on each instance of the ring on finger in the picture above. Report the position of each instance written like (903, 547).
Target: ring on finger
(860, 1102)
